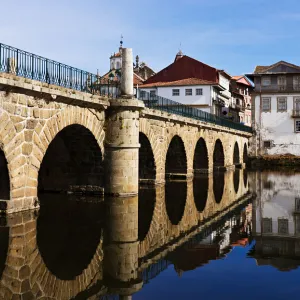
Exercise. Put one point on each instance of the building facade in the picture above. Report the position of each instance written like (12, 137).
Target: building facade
(192, 83)
(240, 107)
(276, 109)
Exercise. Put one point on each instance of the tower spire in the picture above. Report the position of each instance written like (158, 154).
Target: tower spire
(121, 44)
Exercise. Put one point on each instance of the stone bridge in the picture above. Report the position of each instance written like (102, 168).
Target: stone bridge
(58, 139)
(37, 254)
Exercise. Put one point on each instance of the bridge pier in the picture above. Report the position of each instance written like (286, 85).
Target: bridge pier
(122, 137)
(121, 255)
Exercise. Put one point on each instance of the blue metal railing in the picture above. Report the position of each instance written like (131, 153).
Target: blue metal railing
(28, 65)
(170, 106)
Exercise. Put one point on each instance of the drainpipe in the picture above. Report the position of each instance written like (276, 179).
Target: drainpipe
(260, 115)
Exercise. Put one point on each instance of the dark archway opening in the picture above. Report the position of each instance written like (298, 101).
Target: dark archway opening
(200, 164)
(73, 162)
(218, 185)
(245, 177)
(147, 199)
(176, 193)
(4, 240)
(176, 164)
(69, 230)
(200, 188)
(236, 180)
(245, 154)
(147, 168)
(4, 178)
(218, 156)
(236, 154)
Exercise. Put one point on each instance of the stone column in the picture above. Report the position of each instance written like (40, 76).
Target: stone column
(121, 247)
(122, 136)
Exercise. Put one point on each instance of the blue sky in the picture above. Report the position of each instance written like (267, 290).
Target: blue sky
(235, 35)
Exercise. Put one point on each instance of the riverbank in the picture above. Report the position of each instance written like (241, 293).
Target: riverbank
(285, 161)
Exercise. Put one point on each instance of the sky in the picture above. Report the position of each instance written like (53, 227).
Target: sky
(234, 35)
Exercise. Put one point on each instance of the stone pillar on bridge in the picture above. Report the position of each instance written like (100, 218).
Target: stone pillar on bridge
(121, 254)
(122, 136)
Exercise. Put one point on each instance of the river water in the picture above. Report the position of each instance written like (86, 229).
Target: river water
(224, 236)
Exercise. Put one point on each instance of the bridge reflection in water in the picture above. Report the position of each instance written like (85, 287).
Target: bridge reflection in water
(95, 248)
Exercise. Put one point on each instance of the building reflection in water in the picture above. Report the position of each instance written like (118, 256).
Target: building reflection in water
(76, 247)
(276, 220)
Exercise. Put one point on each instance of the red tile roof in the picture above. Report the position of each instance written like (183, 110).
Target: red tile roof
(118, 54)
(182, 82)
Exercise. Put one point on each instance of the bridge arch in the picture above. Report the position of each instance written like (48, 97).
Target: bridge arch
(218, 185)
(236, 180)
(176, 158)
(201, 160)
(80, 136)
(245, 154)
(175, 198)
(236, 154)
(147, 166)
(156, 148)
(218, 155)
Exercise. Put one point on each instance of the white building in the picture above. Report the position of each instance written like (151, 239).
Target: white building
(276, 109)
(276, 219)
(193, 83)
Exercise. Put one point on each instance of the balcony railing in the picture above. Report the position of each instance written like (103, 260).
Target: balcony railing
(170, 106)
(296, 113)
(277, 88)
(28, 65)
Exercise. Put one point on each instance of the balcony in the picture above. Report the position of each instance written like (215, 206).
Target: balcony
(296, 113)
(277, 88)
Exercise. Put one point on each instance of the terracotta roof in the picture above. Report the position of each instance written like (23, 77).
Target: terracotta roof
(118, 54)
(237, 77)
(136, 78)
(182, 82)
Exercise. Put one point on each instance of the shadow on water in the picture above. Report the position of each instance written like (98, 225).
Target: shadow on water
(236, 180)
(218, 185)
(147, 199)
(4, 237)
(200, 188)
(176, 193)
(69, 230)
(245, 177)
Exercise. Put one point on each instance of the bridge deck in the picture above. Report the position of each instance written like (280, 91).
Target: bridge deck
(24, 64)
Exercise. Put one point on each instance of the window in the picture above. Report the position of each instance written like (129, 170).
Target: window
(175, 92)
(267, 225)
(281, 81)
(142, 94)
(188, 92)
(297, 104)
(296, 83)
(266, 81)
(266, 104)
(283, 226)
(118, 65)
(152, 93)
(199, 92)
(281, 104)
(297, 204)
(297, 125)
(267, 144)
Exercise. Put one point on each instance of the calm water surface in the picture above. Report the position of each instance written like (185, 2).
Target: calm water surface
(230, 236)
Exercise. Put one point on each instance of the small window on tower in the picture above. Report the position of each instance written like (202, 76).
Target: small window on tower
(118, 65)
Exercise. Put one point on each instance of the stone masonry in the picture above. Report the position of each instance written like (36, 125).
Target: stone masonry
(58, 139)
